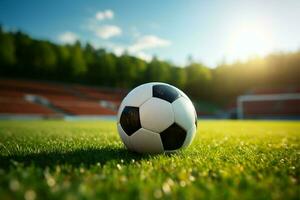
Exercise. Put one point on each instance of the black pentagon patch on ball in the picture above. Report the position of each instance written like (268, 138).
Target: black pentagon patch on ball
(165, 92)
(130, 120)
(173, 137)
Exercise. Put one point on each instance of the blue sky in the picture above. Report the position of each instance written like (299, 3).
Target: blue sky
(209, 31)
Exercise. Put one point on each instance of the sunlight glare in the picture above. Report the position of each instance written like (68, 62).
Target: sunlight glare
(249, 39)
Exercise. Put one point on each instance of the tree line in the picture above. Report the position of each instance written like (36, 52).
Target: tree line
(24, 57)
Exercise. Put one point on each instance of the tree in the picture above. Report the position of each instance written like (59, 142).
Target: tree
(157, 71)
(77, 63)
(140, 67)
(126, 71)
(23, 53)
(178, 77)
(43, 58)
(7, 51)
(109, 69)
(103, 70)
(63, 70)
(198, 83)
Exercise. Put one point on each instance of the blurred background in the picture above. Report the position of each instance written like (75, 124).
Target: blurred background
(78, 59)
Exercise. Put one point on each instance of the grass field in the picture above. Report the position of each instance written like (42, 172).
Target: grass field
(85, 160)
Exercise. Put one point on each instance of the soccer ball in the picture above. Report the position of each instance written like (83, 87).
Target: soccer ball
(155, 118)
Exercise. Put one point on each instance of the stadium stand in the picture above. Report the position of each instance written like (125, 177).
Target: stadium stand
(20, 106)
(22, 97)
(115, 96)
(82, 107)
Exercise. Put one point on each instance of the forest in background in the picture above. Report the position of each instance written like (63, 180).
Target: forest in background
(24, 57)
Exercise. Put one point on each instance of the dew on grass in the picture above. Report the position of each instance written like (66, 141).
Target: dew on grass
(81, 170)
(123, 179)
(157, 194)
(30, 195)
(293, 180)
(192, 178)
(14, 185)
(119, 166)
(50, 181)
(182, 183)
(57, 169)
(269, 145)
(166, 188)
(292, 167)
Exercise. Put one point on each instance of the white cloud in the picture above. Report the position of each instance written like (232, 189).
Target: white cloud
(141, 44)
(144, 56)
(68, 37)
(106, 14)
(107, 31)
(101, 30)
(148, 42)
(118, 50)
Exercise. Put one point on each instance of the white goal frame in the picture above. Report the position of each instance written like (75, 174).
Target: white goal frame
(263, 97)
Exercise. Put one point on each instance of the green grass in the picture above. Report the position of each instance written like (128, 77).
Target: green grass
(86, 160)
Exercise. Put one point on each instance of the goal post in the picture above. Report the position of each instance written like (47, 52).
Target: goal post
(267, 99)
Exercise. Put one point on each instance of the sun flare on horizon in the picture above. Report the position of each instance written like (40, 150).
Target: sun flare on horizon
(249, 39)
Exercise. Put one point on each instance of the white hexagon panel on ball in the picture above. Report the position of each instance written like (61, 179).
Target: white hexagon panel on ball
(156, 117)
(145, 141)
